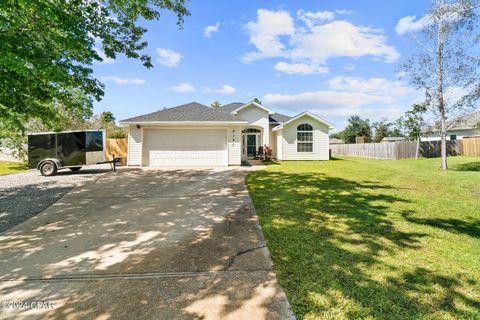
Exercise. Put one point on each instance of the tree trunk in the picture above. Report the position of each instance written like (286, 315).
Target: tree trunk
(441, 101)
(417, 151)
(443, 145)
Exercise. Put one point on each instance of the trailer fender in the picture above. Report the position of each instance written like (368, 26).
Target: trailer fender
(56, 161)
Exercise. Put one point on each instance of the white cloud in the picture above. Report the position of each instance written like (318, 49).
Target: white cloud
(374, 85)
(105, 59)
(345, 96)
(313, 18)
(265, 34)
(119, 80)
(275, 35)
(345, 12)
(341, 39)
(300, 68)
(168, 57)
(183, 87)
(410, 24)
(209, 30)
(225, 89)
(321, 99)
(401, 75)
(334, 105)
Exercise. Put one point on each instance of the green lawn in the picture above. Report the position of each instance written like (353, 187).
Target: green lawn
(11, 167)
(369, 239)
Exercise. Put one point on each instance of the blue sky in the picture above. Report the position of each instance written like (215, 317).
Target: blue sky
(334, 58)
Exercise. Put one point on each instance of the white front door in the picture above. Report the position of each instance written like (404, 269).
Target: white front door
(185, 147)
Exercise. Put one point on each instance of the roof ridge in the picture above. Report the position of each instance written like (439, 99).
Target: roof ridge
(192, 111)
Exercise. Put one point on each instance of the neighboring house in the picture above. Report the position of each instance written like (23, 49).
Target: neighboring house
(196, 135)
(336, 141)
(393, 139)
(466, 126)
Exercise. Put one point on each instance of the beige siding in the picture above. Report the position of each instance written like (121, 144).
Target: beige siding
(134, 146)
(234, 146)
(459, 133)
(320, 141)
(279, 153)
(257, 117)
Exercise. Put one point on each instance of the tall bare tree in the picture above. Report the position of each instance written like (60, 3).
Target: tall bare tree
(446, 65)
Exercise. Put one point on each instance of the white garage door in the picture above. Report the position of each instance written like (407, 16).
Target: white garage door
(186, 147)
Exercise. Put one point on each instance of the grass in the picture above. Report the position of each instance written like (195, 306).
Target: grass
(370, 239)
(11, 167)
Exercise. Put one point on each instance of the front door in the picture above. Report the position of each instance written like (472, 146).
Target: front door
(251, 145)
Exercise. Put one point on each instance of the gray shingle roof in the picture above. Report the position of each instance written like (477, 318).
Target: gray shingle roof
(276, 117)
(466, 122)
(193, 111)
(469, 121)
(280, 118)
(228, 108)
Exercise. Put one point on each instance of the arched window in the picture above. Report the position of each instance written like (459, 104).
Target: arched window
(305, 138)
(251, 130)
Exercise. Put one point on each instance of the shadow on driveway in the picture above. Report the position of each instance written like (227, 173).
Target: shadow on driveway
(142, 245)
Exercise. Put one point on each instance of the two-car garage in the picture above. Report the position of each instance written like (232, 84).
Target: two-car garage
(184, 147)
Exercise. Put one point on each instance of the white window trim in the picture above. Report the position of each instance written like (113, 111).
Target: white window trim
(305, 131)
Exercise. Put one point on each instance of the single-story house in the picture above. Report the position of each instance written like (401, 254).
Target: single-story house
(196, 135)
(393, 139)
(465, 126)
(336, 141)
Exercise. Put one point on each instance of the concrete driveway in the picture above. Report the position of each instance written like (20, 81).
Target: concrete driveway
(143, 245)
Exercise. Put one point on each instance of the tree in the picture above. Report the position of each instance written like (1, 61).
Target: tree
(412, 122)
(396, 131)
(256, 100)
(382, 130)
(446, 65)
(48, 46)
(107, 118)
(357, 127)
(336, 135)
(73, 116)
(216, 104)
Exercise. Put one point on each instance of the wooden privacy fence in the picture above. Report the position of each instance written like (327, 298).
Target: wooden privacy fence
(432, 149)
(395, 150)
(118, 147)
(471, 146)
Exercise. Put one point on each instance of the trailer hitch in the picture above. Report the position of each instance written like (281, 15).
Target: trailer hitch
(112, 162)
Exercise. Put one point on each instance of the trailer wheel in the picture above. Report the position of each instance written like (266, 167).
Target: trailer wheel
(48, 169)
(75, 169)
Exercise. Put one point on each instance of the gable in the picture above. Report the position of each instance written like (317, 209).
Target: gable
(305, 119)
(309, 117)
(252, 105)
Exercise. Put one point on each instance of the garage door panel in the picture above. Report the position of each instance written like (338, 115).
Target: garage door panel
(185, 147)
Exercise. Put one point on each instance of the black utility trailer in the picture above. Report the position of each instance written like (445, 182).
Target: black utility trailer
(53, 151)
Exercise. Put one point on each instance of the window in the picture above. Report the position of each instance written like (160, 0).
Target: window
(304, 138)
(453, 137)
(251, 130)
(94, 140)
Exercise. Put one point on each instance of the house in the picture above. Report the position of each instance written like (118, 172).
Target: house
(466, 126)
(196, 135)
(392, 139)
(336, 141)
